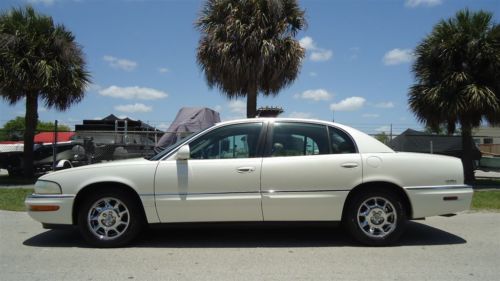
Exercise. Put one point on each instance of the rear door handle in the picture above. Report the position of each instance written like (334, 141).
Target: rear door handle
(349, 165)
(245, 169)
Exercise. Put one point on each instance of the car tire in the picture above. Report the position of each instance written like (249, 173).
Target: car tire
(376, 217)
(112, 218)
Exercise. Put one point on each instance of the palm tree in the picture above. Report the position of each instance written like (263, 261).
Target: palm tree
(39, 61)
(249, 46)
(457, 72)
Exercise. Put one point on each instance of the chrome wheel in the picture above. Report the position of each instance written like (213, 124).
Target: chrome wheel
(377, 217)
(108, 218)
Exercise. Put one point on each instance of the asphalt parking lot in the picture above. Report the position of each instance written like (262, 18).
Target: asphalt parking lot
(464, 247)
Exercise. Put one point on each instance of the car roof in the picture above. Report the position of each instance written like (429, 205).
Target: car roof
(364, 142)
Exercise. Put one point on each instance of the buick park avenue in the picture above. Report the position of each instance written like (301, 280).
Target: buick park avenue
(256, 170)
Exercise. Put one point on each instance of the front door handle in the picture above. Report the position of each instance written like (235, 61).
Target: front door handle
(245, 169)
(349, 165)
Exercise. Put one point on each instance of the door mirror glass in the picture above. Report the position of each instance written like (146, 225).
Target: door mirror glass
(183, 153)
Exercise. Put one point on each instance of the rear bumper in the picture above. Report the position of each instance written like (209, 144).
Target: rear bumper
(429, 201)
(61, 216)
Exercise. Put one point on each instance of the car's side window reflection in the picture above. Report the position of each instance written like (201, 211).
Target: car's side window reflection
(340, 142)
(233, 141)
(298, 139)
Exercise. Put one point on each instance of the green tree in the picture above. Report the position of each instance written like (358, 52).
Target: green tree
(39, 61)
(457, 72)
(249, 46)
(382, 137)
(14, 129)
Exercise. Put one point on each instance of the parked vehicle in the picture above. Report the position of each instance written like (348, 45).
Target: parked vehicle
(256, 170)
(11, 156)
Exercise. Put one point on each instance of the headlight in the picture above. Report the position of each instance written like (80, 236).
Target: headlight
(47, 187)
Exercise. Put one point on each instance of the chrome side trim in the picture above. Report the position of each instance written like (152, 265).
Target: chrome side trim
(50, 196)
(200, 193)
(438, 187)
(304, 191)
(244, 192)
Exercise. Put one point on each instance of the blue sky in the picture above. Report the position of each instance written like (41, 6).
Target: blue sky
(141, 55)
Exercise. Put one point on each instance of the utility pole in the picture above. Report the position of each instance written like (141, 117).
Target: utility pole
(390, 135)
(54, 148)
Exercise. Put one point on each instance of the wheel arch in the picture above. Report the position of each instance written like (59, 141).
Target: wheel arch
(384, 185)
(94, 187)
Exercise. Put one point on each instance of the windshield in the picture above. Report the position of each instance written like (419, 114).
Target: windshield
(169, 148)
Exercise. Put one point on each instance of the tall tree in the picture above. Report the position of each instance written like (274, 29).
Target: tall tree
(249, 46)
(39, 61)
(457, 72)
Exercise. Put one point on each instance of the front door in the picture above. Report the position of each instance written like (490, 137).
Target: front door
(220, 181)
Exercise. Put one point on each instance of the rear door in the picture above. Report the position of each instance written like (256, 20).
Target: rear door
(307, 172)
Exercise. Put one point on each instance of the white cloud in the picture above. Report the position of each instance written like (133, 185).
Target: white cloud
(348, 104)
(385, 104)
(354, 53)
(237, 106)
(313, 74)
(398, 56)
(317, 54)
(315, 95)
(217, 108)
(383, 129)
(131, 108)
(162, 126)
(45, 2)
(304, 115)
(93, 88)
(370, 115)
(123, 64)
(133, 93)
(307, 43)
(163, 70)
(427, 3)
(321, 55)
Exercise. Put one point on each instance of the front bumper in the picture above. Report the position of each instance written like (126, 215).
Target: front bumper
(61, 216)
(429, 201)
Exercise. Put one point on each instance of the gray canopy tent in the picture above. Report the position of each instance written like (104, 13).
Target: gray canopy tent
(188, 120)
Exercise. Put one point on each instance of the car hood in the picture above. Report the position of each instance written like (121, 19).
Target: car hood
(99, 166)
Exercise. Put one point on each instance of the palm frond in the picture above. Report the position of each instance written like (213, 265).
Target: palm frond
(457, 71)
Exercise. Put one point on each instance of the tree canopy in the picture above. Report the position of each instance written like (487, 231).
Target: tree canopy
(39, 60)
(457, 71)
(13, 129)
(249, 46)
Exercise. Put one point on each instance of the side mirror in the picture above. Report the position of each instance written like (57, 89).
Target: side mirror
(183, 153)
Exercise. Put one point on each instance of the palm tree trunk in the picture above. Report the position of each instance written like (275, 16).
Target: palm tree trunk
(31, 120)
(467, 154)
(252, 102)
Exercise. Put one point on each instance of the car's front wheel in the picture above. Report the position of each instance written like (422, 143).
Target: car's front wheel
(110, 219)
(375, 218)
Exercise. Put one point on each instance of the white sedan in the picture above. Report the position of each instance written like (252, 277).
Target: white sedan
(256, 170)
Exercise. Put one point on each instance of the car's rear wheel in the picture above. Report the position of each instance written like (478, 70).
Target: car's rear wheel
(110, 219)
(375, 217)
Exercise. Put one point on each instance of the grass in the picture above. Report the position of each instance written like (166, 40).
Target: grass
(13, 199)
(486, 200)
